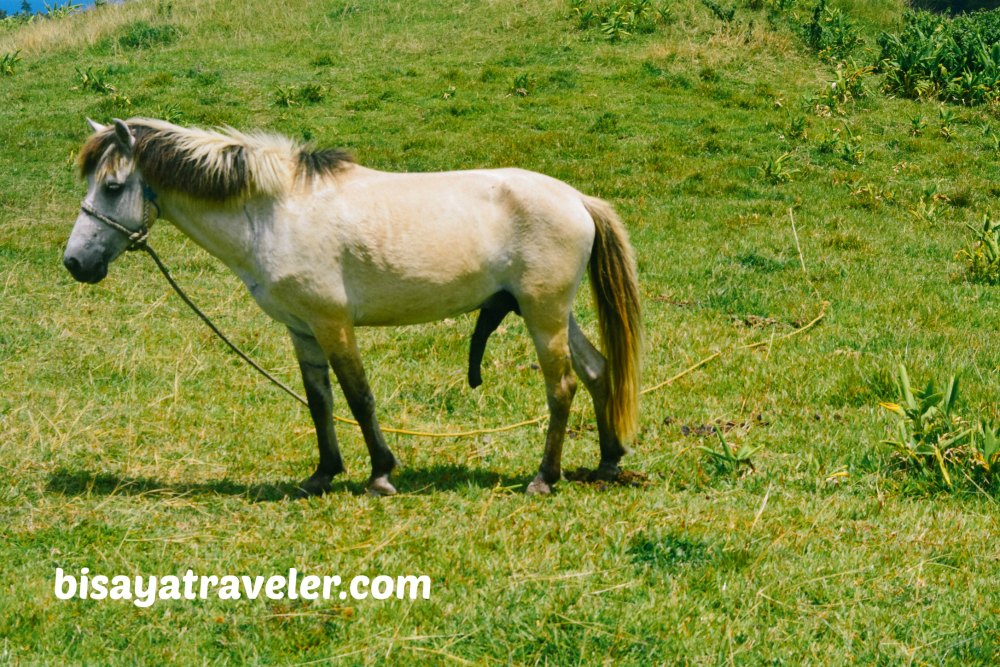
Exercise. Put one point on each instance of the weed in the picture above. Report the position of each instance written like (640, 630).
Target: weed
(606, 123)
(946, 119)
(774, 170)
(982, 257)
(928, 432)
(290, 96)
(871, 196)
(849, 84)
(8, 62)
(917, 125)
(845, 145)
(830, 32)
(933, 436)
(94, 81)
(521, 85)
(620, 19)
(170, 113)
(724, 14)
(143, 35)
(926, 208)
(797, 127)
(728, 460)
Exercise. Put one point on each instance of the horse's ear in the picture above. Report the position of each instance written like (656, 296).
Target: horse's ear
(95, 126)
(124, 135)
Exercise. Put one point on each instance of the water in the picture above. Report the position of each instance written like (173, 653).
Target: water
(14, 6)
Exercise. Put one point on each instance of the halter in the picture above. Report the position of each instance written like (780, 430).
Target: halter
(136, 237)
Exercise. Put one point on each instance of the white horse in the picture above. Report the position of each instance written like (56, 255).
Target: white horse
(325, 245)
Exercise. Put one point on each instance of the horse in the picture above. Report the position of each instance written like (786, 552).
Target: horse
(325, 245)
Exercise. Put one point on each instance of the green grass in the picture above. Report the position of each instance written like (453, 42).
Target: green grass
(131, 442)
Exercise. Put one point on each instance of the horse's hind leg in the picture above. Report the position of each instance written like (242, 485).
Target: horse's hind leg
(491, 314)
(316, 379)
(592, 368)
(342, 350)
(552, 346)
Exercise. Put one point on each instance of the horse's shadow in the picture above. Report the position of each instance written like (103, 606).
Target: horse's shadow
(409, 481)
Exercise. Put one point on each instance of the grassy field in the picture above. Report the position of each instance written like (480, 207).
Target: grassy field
(132, 443)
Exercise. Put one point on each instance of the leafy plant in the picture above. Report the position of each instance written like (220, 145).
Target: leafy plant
(956, 59)
(850, 147)
(917, 125)
(947, 120)
(830, 32)
(620, 19)
(927, 432)
(61, 11)
(982, 258)
(310, 93)
(849, 84)
(932, 436)
(797, 127)
(724, 14)
(774, 170)
(8, 61)
(926, 208)
(95, 81)
(729, 460)
(521, 85)
(871, 196)
(170, 113)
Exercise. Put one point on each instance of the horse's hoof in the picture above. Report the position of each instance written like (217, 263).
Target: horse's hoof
(317, 485)
(606, 472)
(538, 487)
(380, 486)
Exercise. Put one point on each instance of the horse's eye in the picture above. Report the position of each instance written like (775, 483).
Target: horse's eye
(113, 188)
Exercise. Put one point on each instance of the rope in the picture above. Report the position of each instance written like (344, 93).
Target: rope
(208, 322)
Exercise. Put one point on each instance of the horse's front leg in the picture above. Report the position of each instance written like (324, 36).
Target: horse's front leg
(316, 379)
(341, 347)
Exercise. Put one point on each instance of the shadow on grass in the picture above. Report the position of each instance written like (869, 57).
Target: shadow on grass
(450, 477)
(417, 481)
(87, 483)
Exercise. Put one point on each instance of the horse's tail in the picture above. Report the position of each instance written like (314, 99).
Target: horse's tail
(616, 294)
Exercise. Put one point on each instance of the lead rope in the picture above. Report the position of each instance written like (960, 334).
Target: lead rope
(144, 246)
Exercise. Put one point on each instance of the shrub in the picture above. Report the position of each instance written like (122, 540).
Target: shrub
(831, 33)
(936, 56)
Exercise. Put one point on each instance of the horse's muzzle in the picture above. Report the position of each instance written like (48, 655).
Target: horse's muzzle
(86, 274)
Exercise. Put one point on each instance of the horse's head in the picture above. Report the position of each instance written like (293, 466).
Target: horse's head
(114, 215)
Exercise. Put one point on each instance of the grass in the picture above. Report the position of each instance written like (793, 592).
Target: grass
(131, 442)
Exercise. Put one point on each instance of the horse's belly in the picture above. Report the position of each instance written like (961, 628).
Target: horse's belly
(408, 302)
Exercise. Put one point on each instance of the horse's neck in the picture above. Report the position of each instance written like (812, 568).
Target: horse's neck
(225, 231)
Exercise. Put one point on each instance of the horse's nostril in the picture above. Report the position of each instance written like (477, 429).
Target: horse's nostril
(71, 263)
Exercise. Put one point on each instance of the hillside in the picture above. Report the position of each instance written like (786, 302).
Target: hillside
(786, 213)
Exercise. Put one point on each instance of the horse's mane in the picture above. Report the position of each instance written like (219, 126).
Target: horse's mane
(215, 165)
